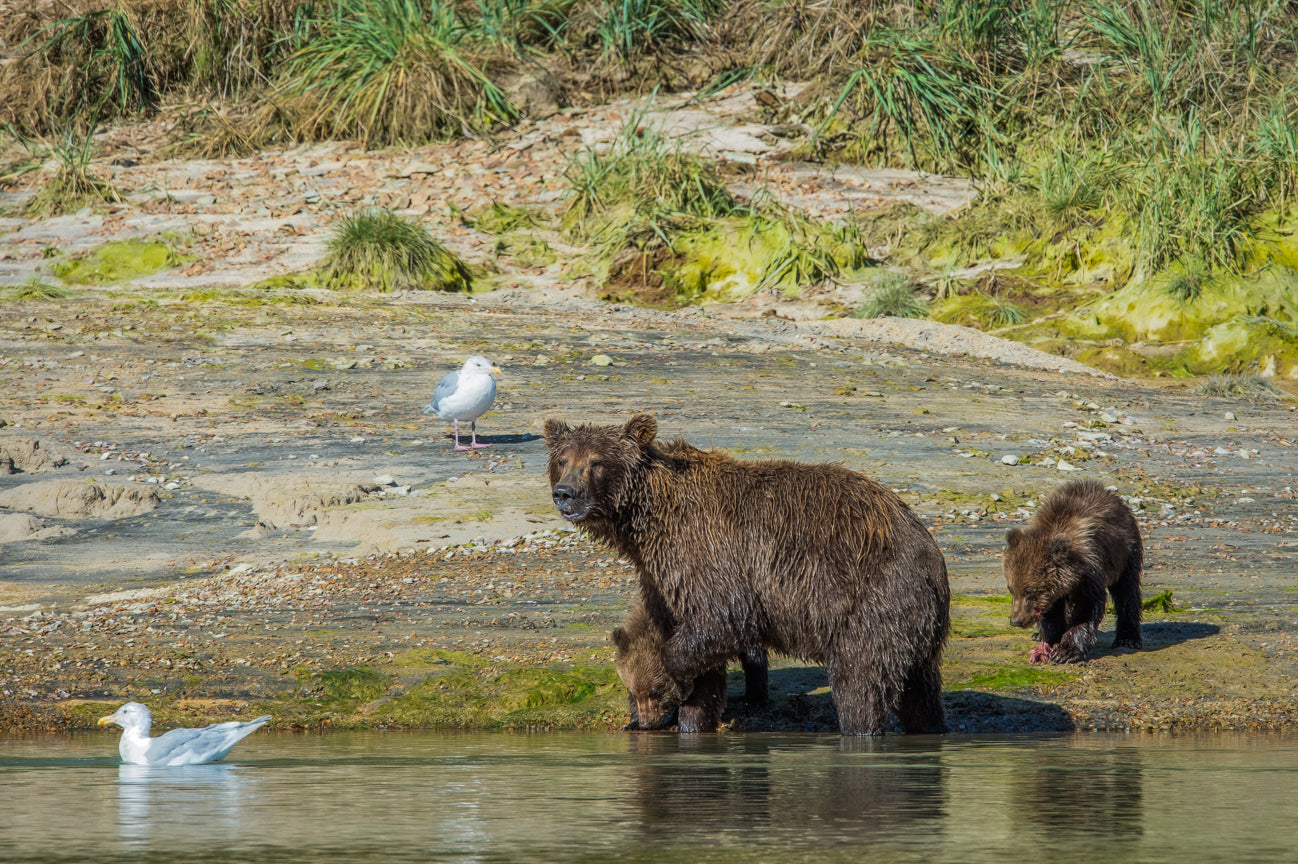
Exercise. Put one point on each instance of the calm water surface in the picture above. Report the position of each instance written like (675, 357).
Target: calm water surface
(655, 797)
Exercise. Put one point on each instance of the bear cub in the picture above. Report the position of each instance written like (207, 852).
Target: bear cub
(653, 693)
(1083, 540)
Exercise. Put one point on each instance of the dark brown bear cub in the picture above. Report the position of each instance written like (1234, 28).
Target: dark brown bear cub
(640, 646)
(815, 561)
(1082, 541)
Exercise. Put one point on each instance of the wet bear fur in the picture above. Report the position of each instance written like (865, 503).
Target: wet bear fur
(640, 646)
(813, 561)
(1082, 541)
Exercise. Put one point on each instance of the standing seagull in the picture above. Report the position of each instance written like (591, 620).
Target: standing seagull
(466, 395)
(179, 746)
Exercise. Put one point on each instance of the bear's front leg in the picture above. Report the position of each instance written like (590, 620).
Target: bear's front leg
(1075, 645)
(693, 649)
(1084, 612)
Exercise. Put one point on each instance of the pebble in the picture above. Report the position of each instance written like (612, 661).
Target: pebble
(1009, 459)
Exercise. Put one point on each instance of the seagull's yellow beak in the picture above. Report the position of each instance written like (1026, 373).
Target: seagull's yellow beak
(107, 721)
(495, 370)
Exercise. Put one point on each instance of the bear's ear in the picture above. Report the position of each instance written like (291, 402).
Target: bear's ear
(641, 429)
(1013, 537)
(555, 429)
(621, 639)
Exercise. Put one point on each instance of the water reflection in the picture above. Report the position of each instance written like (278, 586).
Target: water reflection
(656, 797)
(1082, 793)
(857, 788)
(183, 803)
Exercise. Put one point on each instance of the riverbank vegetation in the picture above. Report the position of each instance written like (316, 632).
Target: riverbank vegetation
(1136, 163)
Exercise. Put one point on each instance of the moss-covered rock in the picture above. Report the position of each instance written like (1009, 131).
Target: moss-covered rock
(118, 261)
(1245, 343)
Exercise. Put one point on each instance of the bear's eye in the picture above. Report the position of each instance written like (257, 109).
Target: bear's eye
(596, 467)
(655, 694)
(1030, 594)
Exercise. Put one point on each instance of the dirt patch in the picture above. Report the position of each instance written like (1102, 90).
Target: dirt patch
(17, 526)
(27, 456)
(81, 500)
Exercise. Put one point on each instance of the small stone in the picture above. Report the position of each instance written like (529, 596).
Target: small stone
(385, 480)
(1065, 466)
(358, 439)
(1009, 459)
(601, 360)
(1107, 417)
(1229, 415)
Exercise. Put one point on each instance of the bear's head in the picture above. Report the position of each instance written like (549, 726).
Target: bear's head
(1039, 571)
(593, 467)
(640, 666)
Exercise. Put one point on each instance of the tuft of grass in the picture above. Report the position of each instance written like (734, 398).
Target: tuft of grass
(893, 297)
(1251, 387)
(917, 91)
(642, 175)
(37, 288)
(394, 71)
(376, 247)
(1003, 313)
(623, 29)
(1186, 285)
(1074, 184)
(76, 185)
(77, 69)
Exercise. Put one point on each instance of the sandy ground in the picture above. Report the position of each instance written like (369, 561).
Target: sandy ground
(216, 505)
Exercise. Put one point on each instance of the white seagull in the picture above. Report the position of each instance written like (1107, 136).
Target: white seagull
(466, 395)
(179, 746)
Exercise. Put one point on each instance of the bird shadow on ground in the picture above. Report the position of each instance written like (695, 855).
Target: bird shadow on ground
(520, 438)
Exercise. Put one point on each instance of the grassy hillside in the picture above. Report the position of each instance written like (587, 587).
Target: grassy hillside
(1137, 163)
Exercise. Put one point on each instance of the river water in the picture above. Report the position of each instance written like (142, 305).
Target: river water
(498, 797)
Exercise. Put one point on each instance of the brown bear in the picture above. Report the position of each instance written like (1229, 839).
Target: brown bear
(640, 645)
(814, 561)
(1081, 541)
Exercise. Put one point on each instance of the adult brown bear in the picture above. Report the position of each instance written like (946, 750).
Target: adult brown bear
(814, 561)
(1083, 540)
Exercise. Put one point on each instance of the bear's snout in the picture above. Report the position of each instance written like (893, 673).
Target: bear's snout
(565, 498)
(1023, 615)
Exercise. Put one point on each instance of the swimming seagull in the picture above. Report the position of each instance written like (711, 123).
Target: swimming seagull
(466, 395)
(179, 746)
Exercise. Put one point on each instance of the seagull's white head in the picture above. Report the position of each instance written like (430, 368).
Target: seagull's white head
(130, 716)
(479, 365)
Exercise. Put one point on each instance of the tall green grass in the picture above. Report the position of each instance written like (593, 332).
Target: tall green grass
(914, 93)
(623, 29)
(379, 249)
(394, 71)
(643, 175)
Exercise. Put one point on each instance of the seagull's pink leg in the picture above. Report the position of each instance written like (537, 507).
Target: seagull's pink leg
(458, 446)
(473, 425)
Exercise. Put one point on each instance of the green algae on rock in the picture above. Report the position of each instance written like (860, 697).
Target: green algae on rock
(118, 261)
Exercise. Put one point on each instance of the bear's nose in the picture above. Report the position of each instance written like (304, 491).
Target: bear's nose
(563, 495)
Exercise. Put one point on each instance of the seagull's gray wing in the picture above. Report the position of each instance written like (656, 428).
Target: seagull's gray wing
(445, 388)
(195, 746)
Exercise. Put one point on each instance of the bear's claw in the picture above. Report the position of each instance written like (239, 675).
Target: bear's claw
(1040, 653)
